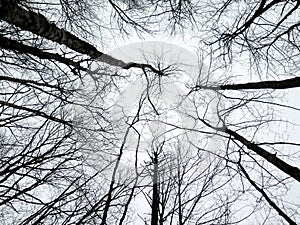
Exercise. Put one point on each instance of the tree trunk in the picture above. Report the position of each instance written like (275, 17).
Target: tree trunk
(155, 194)
(38, 24)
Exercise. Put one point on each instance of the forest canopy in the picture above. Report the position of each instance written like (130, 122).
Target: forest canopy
(194, 123)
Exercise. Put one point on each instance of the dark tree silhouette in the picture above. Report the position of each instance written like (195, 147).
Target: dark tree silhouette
(62, 148)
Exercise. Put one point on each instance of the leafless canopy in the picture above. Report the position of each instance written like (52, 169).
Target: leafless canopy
(63, 142)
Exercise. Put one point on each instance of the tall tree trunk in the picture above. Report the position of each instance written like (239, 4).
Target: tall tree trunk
(271, 158)
(38, 24)
(268, 199)
(273, 84)
(155, 193)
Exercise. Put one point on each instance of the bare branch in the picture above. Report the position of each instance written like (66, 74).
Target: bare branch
(271, 203)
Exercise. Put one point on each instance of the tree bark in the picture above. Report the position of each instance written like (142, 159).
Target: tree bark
(38, 24)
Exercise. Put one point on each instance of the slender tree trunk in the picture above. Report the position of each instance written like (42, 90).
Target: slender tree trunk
(180, 218)
(155, 194)
(272, 158)
(268, 199)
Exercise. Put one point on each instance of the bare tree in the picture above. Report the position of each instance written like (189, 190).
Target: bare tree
(61, 168)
